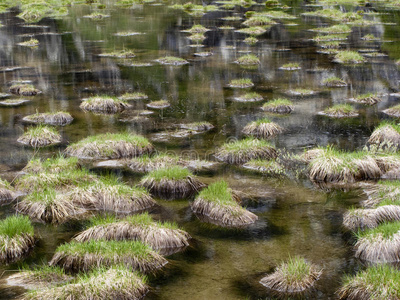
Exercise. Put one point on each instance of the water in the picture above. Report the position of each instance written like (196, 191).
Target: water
(295, 217)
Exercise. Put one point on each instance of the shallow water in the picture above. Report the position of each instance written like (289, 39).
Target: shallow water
(295, 217)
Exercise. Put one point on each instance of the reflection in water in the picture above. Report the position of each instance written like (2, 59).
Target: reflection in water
(295, 217)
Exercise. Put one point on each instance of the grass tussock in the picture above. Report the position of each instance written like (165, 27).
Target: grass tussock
(88, 255)
(393, 111)
(249, 97)
(295, 277)
(133, 96)
(335, 166)
(378, 282)
(386, 132)
(173, 182)
(197, 126)
(16, 238)
(48, 206)
(221, 206)
(104, 104)
(160, 104)
(60, 118)
(258, 21)
(380, 244)
(262, 128)
(349, 57)
(368, 99)
(266, 167)
(279, 106)
(110, 146)
(361, 219)
(253, 30)
(52, 165)
(119, 54)
(340, 111)
(137, 227)
(197, 29)
(6, 191)
(172, 60)
(240, 152)
(39, 277)
(109, 194)
(241, 83)
(40, 136)
(24, 90)
(146, 163)
(249, 59)
(334, 82)
(116, 282)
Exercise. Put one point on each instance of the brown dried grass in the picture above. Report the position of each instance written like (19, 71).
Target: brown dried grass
(385, 134)
(47, 138)
(378, 249)
(104, 105)
(5, 194)
(370, 218)
(262, 130)
(173, 189)
(14, 248)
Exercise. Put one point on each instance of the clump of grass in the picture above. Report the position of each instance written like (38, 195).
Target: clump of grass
(58, 118)
(109, 194)
(30, 43)
(24, 90)
(249, 97)
(241, 83)
(335, 29)
(119, 54)
(262, 128)
(97, 16)
(6, 191)
(14, 102)
(329, 38)
(340, 111)
(52, 165)
(160, 104)
(334, 81)
(40, 136)
(385, 192)
(104, 104)
(145, 163)
(336, 15)
(240, 152)
(198, 126)
(137, 227)
(172, 60)
(393, 111)
(386, 132)
(369, 37)
(197, 37)
(266, 167)
(349, 57)
(75, 256)
(301, 92)
(173, 182)
(48, 206)
(280, 106)
(376, 282)
(249, 59)
(369, 99)
(110, 146)
(16, 238)
(360, 219)
(39, 277)
(220, 205)
(291, 66)
(116, 282)
(295, 277)
(127, 33)
(256, 30)
(133, 96)
(197, 29)
(380, 244)
(258, 21)
(276, 14)
(251, 40)
(331, 165)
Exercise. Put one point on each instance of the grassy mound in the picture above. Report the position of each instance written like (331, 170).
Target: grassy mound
(340, 111)
(52, 165)
(262, 128)
(6, 191)
(24, 90)
(393, 111)
(280, 106)
(386, 133)
(58, 118)
(40, 136)
(104, 104)
(146, 163)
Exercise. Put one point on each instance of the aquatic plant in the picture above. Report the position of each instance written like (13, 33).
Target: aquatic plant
(249, 97)
(40, 136)
(280, 106)
(109, 194)
(29, 43)
(340, 111)
(334, 81)
(329, 38)
(349, 57)
(16, 238)
(145, 163)
(172, 60)
(160, 104)
(14, 102)
(393, 111)
(220, 205)
(249, 59)
(127, 33)
(173, 182)
(197, 37)
(84, 256)
(197, 29)
(97, 16)
(369, 99)
(376, 282)
(39, 277)
(380, 244)
(291, 66)
(133, 96)
(262, 128)
(301, 92)
(241, 83)
(335, 14)
(336, 166)
(110, 146)
(256, 30)
(258, 21)
(104, 104)
(367, 218)
(251, 40)
(242, 151)
(137, 227)
(119, 54)
(48, 206)
(24, 90)
(104, 283)
(295, 277)
(335, 29)
(386, 132)
(275, 14)
(57, 118)
(266, 167)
